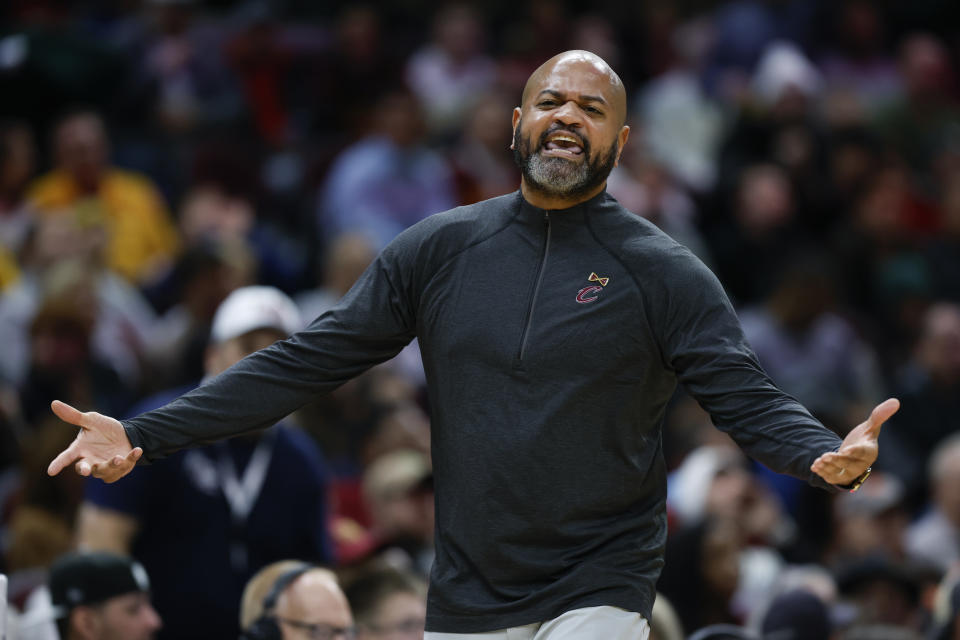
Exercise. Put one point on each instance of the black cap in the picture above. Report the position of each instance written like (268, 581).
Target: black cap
(796, 615)
(93, 577)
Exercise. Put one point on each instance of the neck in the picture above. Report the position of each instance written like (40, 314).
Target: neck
(546, 201)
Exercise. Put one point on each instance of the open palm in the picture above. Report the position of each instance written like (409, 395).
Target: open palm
(859, 449)
(101, 448)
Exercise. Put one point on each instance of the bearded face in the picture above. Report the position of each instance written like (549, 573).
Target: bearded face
(569, 175)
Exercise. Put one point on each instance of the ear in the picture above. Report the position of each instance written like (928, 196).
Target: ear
(621, 141)
(516, 121)
(85, 623)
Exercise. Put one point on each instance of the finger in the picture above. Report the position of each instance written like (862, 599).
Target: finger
(82, 468)
(66, 457)
(831, 464)
(135, 454)
(880, 414)
(67, 413)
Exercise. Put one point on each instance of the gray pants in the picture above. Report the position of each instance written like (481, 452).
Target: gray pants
(608, 623)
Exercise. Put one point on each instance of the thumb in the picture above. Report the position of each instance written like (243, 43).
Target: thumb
(880, 414)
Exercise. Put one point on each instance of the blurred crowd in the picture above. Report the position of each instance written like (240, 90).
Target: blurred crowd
(185, 181)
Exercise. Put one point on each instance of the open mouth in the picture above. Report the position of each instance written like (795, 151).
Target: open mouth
(562, 145)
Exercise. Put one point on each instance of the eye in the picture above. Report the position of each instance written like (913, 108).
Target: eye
(546, 103)
(593, 110)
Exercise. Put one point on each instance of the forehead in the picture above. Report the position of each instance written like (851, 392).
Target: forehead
(576, 75)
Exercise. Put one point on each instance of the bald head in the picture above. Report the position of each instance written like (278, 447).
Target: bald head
(578, 63)
(315, 598)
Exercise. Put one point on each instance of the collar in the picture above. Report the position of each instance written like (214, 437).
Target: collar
(527, 210)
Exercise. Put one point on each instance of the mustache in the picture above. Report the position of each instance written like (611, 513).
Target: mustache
(581, 141)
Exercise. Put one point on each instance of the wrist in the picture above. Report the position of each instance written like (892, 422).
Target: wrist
(857, 482)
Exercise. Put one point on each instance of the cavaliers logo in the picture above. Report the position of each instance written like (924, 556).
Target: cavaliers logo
(589, 293)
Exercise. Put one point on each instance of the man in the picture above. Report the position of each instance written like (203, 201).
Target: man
(935, 537)
(102, 596)
(554, 326)
(141, 238)
(388, 604)
(248, 501)
(289, 600)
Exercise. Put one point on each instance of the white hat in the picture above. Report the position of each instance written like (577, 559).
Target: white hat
(784, 66)
(396, 473)
(250, 308)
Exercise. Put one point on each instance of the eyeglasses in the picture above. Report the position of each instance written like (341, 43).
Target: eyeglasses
(320, 631)
(410, 626)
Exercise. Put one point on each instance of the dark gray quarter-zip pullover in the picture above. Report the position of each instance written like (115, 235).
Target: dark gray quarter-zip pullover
(552, 341)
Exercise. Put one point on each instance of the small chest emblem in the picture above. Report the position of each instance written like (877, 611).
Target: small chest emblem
(589, 293)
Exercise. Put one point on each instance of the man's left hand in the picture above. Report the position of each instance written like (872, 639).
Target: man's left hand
(859, 449)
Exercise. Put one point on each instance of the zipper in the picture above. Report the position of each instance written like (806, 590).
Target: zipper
(536, 288)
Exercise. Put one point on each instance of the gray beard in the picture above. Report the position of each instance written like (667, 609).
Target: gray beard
(559, 177)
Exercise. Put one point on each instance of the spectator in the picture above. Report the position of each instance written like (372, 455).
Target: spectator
(202, 278)
(102, 596)
(346, 258)
(644, 186)
(185, 72)
(916, 125)
(702, 572)
(17, 164)
(797, 615)
(141, 239)
(288, 600)
(250, 501)
(682, 124)
(882, 591)
(481, 159)
(213, 213)
(388, 603)
(60, 254)
(808, 348)
(871, 522)
(764, 226)
(930, 387)
(398, 488)
(43, 513)
(62, 359)
(387, 181)
(362, 56)
(935, 538)
(449, 73)
(857, 63)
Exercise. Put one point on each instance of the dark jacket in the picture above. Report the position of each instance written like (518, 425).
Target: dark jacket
(552, 342)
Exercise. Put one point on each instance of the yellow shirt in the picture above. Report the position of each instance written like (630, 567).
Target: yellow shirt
(141, 234)
(9, 272)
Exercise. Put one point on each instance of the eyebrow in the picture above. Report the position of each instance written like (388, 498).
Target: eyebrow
(557, 94)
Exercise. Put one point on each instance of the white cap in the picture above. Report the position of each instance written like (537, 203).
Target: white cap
(250, 308)
(784, 66)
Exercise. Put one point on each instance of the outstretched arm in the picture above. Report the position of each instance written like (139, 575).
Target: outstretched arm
(371, 324)
(101, 448)
(859, 449)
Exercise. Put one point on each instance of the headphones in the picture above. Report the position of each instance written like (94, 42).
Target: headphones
(265, 627)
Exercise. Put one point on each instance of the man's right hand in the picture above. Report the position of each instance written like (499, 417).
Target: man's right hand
(101, 449)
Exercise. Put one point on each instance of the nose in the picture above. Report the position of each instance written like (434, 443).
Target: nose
(152, 618)
(568, 114)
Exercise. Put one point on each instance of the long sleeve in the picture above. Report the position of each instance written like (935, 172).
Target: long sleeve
(704, 344)
(371, 324)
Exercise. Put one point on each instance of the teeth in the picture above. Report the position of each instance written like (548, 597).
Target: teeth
(563, 138)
